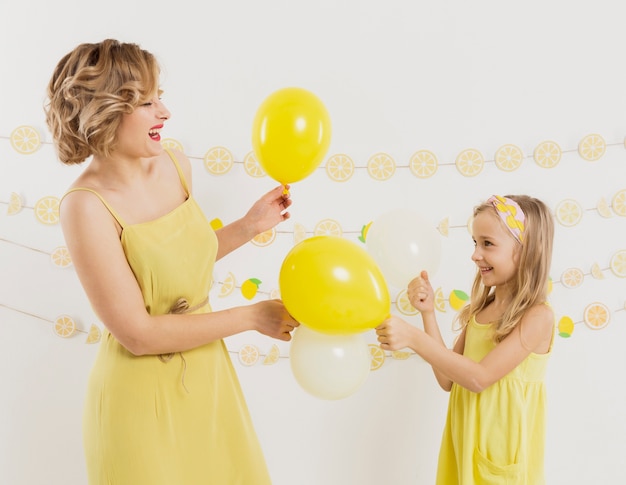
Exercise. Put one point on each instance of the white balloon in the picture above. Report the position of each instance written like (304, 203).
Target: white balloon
(329, 366)
(403, 243)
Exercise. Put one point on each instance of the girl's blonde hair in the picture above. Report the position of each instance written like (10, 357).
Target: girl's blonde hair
(90, 89)
(530, 285)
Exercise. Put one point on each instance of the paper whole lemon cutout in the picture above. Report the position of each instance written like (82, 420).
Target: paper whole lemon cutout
(458, 299)
(547, 154)
(619, 203)
(569, 212)
(592, 147)
(25, 140)
(566, 327)
(272, 356)
(508, 157)
(248, 355)
(340, 167)
(216, 224)
(618, 264)
(250, 287)
(381, 166)
(94, 335)
(596, 316)
(265, 238)
(171, 143)
(64, 326)
(218, 160)
(470, 162)
(47, 210)
(572, 278)
(404, 305)
(328, 227)
(252, 166)
(423, 164)
(61, 257)
(15, 204)
(377, 356)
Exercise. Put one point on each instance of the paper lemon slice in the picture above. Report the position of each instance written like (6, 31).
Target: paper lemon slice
(444, 227)
(64, 326)
(377, 356)
(404, 305)
(470, 162)
(508, 157)
(61, 257)
(248, 355)
(272, 356)
(603, 208)
(569, 212)
(299, 233)
(25, 140)
(400, 354)
(340, 167)
(592, 147)
(618, 264)
(440, 301)
(596, 271)
(547, 154)
(94, 335)
(172, 143)
(47, 210)
(381, 166)
(596, 316)
(275, 294)
(328, 227)
(619, 203)
(15, 204)
(423, 164)
(265, 238)
(218, 160)
(572, 278)
(252, 166)
(228, 285)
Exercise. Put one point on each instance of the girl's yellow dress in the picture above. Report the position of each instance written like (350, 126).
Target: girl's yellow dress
(497, 436)
(177, 419)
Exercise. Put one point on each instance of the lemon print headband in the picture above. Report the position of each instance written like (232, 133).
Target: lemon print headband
(511, 214)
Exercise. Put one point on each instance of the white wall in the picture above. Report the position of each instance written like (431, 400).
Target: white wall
(396, 77)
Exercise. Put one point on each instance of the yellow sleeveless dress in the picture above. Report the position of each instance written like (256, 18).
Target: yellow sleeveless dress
(178, 419)
(497, 436)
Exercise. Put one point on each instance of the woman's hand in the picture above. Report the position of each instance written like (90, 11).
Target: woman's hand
(273, 319)
(269, 210)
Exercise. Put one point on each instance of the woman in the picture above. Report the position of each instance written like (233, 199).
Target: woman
(163, 405)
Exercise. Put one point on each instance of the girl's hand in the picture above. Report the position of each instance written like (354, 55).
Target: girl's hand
(421, 294)
(269, 210)
(273, 319)
(395, 334)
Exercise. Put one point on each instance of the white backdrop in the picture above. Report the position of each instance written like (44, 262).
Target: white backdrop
(396, 77)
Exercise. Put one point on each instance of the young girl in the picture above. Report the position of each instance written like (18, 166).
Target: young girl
(163, 403)
(495, 427)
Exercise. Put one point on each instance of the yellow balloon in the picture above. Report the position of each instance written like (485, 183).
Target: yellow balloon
(333, 285)
(290, 134)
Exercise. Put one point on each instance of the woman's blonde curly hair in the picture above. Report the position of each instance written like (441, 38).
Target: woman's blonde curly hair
(90, 89)
(530, 285)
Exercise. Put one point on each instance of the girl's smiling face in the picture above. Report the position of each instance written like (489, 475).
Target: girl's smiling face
(496, 251)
